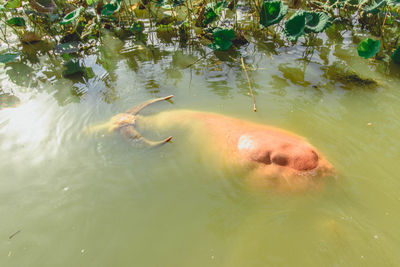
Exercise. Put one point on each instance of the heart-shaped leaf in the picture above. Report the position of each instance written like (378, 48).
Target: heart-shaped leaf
(295, 25)
(13, 4)
(222, 39)
(396, 55)
(71, 16)
(110, 8)
(272, 12)
(8, 57)
(16, 21)
(317, 22)
(368, 48)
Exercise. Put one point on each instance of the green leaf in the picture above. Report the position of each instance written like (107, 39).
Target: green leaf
(368, 48)
(222, 39)
(16, 21)
(71, 16)
(396, 55)
(8, 57)
(295, 25)
(317, 22)
(72, 67)
(137, 27)
(110, 8)
(89, 2)
(13, 4)
(212, 11)
(373, 8)
(272, 12)
(393, 3)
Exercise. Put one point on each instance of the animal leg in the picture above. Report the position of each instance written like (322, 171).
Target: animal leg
(129, 132)
(135, 110)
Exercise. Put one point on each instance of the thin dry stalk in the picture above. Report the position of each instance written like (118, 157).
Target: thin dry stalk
(250, 86)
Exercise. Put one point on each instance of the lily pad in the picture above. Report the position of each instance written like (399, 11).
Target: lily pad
(8, 57)
(373, 7)
(295, 25)
(13, 4)
(71, 16)
(317, 22)
(16, 21)
(396, 55)
(272, 12)
(222, 39)
(368, 48)
(110, 8)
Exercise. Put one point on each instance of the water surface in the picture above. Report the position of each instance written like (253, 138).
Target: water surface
(69, 199)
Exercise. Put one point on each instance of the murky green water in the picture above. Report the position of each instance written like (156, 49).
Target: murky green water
(68, 199)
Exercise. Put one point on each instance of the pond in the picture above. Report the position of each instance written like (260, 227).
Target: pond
(72, 199)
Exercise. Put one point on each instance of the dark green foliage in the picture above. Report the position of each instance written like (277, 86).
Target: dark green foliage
(317, 22)
(394, 3)
(222, 39)
(272, 12)
(373, 8)
(396, 55)
(295, 25)
(8, 57)
(73, 67)
(337, 3)
(137, 27)
(212, 11)
(71, 16)
(368, 48)
(16, 21)
(303, 22)
(110, 8)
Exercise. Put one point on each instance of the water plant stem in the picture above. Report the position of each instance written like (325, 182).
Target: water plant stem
(250, 86)
(382, 28)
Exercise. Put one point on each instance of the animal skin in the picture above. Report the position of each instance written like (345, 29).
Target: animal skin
(271, 157)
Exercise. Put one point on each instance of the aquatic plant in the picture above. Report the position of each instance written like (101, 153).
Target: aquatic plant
(194, 20)
(368, 48)
(272, 12)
